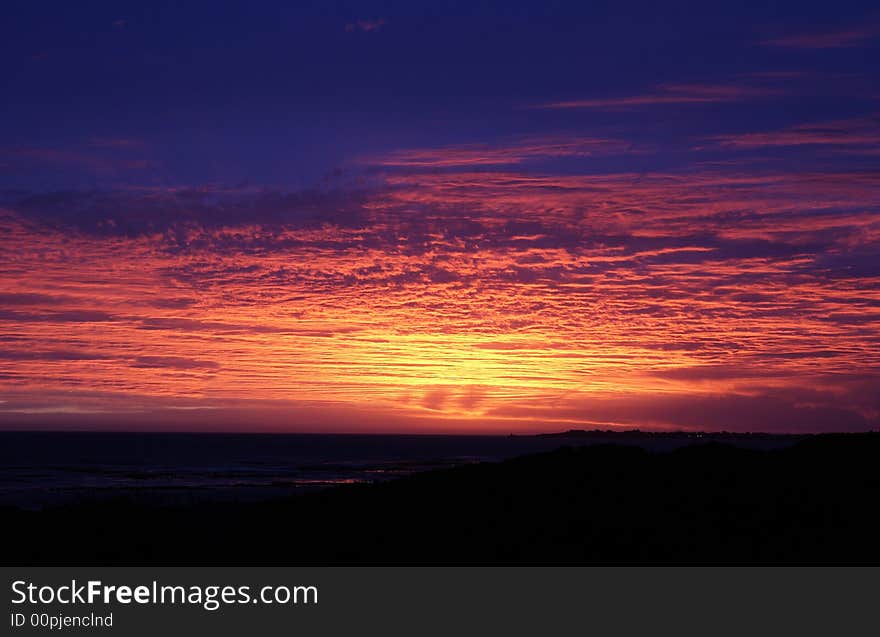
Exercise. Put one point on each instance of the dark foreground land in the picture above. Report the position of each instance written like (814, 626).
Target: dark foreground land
(814, 502)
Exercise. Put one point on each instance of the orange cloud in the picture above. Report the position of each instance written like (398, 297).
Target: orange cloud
(462, 299)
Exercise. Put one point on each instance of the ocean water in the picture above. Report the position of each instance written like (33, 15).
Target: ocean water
(39, 469)
(47, 468)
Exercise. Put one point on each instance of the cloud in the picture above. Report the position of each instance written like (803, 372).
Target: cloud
(94, 157)
(839, 38)
(435, 399)
(676, 94)
(66, 316)
(366, 25)
(59, 156)
(195, 325)
(173, 362)
(729, 372)
(179, 213)
(521, 152)
(28, 298)
(50, 355)
(854, 132)
(776, 411)
(173, 303)
(494, 289)
(118, 143)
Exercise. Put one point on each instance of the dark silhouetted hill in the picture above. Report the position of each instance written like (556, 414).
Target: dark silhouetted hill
(813, 502)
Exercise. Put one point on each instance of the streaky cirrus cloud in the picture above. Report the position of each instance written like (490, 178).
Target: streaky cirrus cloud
(520, 220)
(100, 156)
(830, 39)
(366, 25)
(507, 299)
(522, 151)
(855, 132)
(672, 94)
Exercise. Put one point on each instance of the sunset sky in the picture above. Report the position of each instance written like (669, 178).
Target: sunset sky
(440, 217)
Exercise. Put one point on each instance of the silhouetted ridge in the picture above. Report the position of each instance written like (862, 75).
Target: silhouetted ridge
(813, 502)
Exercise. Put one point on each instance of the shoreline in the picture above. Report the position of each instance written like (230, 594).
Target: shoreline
(810, 502)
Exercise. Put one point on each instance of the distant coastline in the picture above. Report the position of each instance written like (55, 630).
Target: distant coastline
(40, 469)
(695, 435)
(677, 437)
(809, 502)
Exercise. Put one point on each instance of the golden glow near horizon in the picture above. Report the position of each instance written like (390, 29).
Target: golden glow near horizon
(456, 300)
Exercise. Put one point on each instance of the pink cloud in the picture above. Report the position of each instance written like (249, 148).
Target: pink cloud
(365, 25)
(672, 94)
(457, 299)
(101, 156)
(516, 153)
(849, 132)
(840, 38)
(121, 143)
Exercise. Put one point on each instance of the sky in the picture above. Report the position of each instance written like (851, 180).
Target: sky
(461, 217)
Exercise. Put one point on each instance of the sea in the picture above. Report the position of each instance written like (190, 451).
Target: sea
(41, 469)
